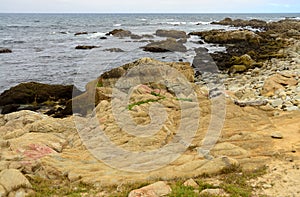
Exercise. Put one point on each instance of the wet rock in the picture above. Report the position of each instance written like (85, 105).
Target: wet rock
(36, 95)
(114, 50)
(5, 50)
(120, 33)
(6, 109)
(171, 34)
(165, 46)
(85, 47)
(228, 37)
(81, 33)
(135, 37)
(103, 38)
(157, 189)
(255, 23)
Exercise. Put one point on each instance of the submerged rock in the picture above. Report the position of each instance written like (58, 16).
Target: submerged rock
(85, 47)
(114, 50)
(81, 33)
(167, 45)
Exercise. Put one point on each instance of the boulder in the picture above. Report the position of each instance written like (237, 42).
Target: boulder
(167, 45)
(85, 47)
(191, 183)
(120, 33)
(277, 82)
(114, 50)
(35, 95)
(255, 23)
(171, 34)
(157, 189)
(5, 50)
(12, 179)
(237, 69)
(230, 37)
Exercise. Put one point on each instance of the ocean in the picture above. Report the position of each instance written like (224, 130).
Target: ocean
(43, 45)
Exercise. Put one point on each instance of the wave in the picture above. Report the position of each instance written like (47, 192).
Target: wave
(96, 35)
(117, 25)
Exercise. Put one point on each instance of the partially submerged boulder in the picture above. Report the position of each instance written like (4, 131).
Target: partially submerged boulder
(5, 50)
(119, 33)
(85, 47)
(228, 37)
(170, 44)
(171, 34)
(255, 23)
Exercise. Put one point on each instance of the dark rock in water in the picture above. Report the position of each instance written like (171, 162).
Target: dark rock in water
(114, 50)
(228, 37)
(148, 36)
(255, 23)
(136, 37)
(182, 40)
(165, 46)
(80, 33)
(171, 34)
(85, 47)
(119, 33)
(9, 108)
(5, 50)
(36, 94)
(103, 38)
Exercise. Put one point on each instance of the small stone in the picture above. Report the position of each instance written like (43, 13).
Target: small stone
(214, 192)
(154, 190)
(276, 103)
(266, 186)
(291, 108)
(276, 135)
(191, 183)
(2, 191)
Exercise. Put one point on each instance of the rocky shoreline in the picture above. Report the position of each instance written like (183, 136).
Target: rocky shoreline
(257, 152)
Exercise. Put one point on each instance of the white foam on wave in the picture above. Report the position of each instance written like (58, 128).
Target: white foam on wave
(117, 25)
(176, 23)
(97, 34)
(141, 19)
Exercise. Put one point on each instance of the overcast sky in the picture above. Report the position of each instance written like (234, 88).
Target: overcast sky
(151, 6)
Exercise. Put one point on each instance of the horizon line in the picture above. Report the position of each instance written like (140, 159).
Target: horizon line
(149, 12)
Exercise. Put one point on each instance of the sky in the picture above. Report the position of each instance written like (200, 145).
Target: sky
(150, 6)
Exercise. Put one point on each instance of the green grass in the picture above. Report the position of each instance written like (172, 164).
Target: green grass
(59, 187)
(99, 84)
(130, 106)
(179, 190)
